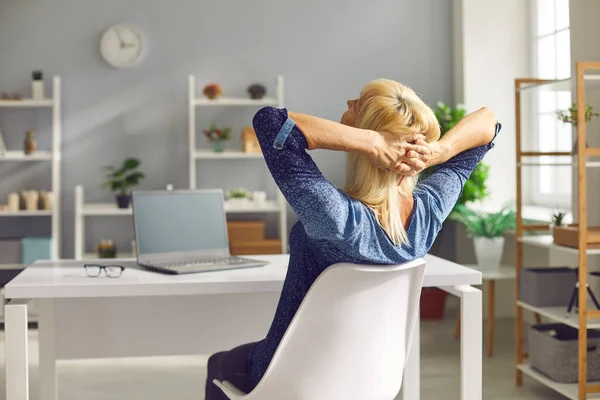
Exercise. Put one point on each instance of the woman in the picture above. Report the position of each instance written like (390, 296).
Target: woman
(383, 216)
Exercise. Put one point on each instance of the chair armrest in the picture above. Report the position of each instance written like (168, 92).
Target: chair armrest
(229, 390)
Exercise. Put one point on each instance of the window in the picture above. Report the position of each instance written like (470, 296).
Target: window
(551, 185)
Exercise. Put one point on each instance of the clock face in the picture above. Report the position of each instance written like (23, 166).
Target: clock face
(121, 46)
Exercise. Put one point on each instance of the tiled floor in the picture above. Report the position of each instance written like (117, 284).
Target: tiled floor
(182, 378)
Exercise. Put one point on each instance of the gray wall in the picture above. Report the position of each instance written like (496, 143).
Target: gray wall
(326, 50)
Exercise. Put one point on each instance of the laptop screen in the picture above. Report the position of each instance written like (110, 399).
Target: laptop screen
(184, 221)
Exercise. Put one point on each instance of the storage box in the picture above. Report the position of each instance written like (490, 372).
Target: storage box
(35, 248)
(244, 231)
(10, 251)
(547, 287)
(569, 236)
(265, 246)
(553, 351)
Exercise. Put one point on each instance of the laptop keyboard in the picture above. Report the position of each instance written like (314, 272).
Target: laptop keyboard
(205, 261)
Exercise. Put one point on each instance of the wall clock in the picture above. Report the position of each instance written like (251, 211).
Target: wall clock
(122, 46)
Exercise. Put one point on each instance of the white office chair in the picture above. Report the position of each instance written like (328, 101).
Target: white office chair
(350, 338)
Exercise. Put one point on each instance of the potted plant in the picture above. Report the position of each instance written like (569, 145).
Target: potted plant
(106, 249)
(122, 179)
(557, 220)
(570, 117)
(475, 188)
(257, 91)
(487, 231)
(213, 91)
(238, 198)
(217, 137)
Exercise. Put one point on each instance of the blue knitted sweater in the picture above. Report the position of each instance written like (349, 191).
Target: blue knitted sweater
(335, 228)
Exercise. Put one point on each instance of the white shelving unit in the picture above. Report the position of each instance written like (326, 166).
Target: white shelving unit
(83, 210)
(280, 205)
(53, 156)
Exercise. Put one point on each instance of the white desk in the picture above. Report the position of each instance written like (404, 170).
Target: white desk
(148, 314)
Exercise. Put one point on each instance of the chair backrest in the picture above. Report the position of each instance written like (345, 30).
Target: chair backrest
(350, 337)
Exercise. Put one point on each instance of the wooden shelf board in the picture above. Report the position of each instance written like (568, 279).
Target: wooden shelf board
(563, 85)
(26, 213)
(234, 101)
(120, 255)
(26, 103)
(545, 153)
(560, 314)
(269, 206)
(20, 156)
(227, 154)
(547, 241)
(569, 390)
(107, 209)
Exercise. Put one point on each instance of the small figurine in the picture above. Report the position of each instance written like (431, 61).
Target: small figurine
(213, 91)
(250, 141)
(257, 91)
(37, 85)
(107, 249)
(30, 143)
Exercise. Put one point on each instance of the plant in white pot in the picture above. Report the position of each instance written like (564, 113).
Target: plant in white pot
(557, 220)
(487, 231)
(238, 198)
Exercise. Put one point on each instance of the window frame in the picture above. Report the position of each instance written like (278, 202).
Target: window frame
(535, 196)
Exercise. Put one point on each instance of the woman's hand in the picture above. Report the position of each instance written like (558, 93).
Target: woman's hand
(407, 155)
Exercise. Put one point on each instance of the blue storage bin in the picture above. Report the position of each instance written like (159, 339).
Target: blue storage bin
(35, 248)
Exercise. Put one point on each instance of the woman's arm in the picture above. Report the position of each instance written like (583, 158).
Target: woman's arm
(458, 153)
(474, 130)
(383, 149)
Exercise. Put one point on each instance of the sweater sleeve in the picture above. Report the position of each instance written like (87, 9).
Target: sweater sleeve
(441, 190)
(324, 212)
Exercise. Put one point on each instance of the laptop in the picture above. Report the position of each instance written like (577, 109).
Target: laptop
(183, 231)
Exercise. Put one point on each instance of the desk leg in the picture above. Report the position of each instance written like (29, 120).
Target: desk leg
(47, 349)
(471, 341)
(411, 386)
(17, 362)
(491, 317)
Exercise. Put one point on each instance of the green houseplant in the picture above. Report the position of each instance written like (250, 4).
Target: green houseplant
(433, 299)
(487, 231)
(558, 218)
(238, 198)
(475, 188)
(121, 179)
(217, 137)
(570, 117)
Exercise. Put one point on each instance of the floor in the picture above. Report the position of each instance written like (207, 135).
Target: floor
(182, 378)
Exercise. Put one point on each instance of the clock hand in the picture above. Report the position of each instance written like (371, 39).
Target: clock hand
(121, 41)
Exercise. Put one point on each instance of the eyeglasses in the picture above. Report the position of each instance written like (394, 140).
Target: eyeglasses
(112, 271)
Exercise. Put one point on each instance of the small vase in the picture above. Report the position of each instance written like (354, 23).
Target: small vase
(218, 146)
(30, 143)
(123, 200)
(237, 203)
(488, 251)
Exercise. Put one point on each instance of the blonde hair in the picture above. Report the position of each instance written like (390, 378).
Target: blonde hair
(386, 105)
